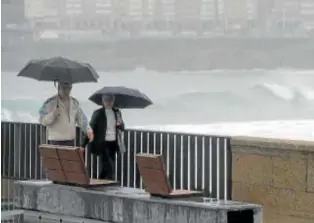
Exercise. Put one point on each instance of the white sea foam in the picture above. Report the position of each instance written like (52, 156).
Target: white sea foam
(183, 97)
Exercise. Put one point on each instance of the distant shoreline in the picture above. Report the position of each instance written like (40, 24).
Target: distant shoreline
(172, 54)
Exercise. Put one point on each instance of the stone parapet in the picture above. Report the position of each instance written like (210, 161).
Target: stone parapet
(127, 205)
(278, 174)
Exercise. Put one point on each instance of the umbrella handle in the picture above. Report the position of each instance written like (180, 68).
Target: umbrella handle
(58, 105)
(58, 101)
(55, 84)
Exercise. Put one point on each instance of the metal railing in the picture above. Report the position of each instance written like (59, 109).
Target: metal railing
(197, 162)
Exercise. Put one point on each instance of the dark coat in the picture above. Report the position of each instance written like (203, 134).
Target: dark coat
(98, 124)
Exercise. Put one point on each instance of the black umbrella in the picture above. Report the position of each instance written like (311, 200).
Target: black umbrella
(59, 69)
(124, 97)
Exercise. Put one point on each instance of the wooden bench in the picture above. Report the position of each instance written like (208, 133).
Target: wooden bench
(152, 170)
(65, 165)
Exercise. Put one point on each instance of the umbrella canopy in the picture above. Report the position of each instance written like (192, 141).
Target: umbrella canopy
(124, 97)
(59, 69)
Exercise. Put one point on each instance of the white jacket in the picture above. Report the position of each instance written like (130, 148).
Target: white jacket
(62, 127)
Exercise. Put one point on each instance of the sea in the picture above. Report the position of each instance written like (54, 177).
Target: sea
(181, 97)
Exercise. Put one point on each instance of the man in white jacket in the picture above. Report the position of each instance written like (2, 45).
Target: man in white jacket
(60, 114)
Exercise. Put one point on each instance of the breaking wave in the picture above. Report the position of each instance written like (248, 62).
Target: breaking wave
(192, 97)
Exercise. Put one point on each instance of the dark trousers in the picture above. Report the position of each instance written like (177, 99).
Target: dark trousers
(61, 142)
(107, 158)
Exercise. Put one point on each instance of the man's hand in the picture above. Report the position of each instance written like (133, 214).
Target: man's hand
(56, 111)
(90, 135)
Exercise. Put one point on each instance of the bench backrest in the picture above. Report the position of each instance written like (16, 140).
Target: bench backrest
(154, 175)
(64, 164)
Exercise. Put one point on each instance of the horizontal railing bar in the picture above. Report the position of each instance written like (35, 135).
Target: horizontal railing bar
(144, 130)
(4, 177)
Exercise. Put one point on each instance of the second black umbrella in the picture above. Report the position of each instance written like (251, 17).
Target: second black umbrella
(124, 97)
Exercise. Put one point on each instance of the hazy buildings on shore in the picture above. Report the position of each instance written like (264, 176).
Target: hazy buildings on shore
(12, 12)
(175, 17)
(74, 26)
(171, 15)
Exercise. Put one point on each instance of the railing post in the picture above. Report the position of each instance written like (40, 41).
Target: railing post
(17, 151)
(43, 140)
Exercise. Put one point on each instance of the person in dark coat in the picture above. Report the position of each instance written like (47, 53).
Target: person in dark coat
(106, 124)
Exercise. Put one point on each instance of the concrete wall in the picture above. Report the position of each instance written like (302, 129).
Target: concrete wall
(127, 205)
(278, 174)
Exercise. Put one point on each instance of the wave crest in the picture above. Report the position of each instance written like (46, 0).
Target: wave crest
(257, 95)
